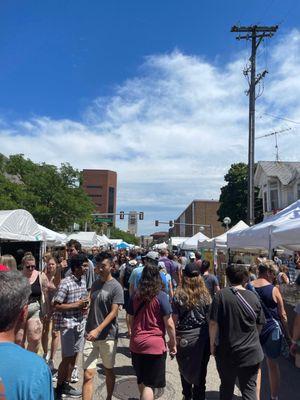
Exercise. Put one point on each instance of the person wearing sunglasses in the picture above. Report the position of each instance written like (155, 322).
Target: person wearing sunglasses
(32, 331)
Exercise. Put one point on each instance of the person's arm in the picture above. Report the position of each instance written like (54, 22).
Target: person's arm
(92, 335)
(216, 285)
(61, 296)
(170, 328)
(171, 289)
(77, 305)
(213, 332)
(281, 310)
(296, 334)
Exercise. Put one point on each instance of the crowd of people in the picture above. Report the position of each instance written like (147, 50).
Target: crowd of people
(76, 298)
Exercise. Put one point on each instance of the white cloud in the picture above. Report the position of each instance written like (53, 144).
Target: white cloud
(173, 131)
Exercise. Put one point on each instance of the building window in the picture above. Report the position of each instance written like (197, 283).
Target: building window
(274, 196)
(95, 195)
(94, 187)
(111, 200)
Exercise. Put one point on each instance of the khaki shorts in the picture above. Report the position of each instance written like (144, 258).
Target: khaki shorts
(104, 349)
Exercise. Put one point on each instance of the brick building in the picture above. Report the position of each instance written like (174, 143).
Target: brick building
(101, 186)
(199, 212)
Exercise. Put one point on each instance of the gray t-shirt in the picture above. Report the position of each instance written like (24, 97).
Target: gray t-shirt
(103, 296)
(211, 282)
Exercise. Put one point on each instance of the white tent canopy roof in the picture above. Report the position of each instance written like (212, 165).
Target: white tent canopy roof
(260, 236)
(19, 225)
(86, 239)
(52, 237)
(176, 240)
(287, 235)
(102, 240)
(160, 246)
(192, 243)
(220, 242)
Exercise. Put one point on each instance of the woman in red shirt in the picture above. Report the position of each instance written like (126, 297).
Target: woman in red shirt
(151, 317)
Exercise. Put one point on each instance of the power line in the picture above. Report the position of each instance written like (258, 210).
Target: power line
(282, 118)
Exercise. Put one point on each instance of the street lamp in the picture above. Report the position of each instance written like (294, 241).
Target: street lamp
(227, 221)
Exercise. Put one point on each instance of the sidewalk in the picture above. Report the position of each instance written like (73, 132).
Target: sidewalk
(126, 387)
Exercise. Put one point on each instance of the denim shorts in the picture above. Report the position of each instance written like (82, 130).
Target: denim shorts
(272, 346)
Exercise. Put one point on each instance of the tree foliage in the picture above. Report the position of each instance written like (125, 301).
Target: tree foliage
(233, 196)
(51, 194)
(116, 233)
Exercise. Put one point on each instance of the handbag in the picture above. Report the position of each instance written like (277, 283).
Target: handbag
(272, 336)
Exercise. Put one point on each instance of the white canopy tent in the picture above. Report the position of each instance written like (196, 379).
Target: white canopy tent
(115, 242)
(192, 243)
(176, 241)
(52, 238)
(20, 226)
(160, 246)
(287, 235)
(102, 240)
(86, 239)
(259, 237)
(220, 242)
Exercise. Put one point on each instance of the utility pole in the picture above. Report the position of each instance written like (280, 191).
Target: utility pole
(256, 34)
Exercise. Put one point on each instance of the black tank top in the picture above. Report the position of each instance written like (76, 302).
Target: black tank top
(36, 291)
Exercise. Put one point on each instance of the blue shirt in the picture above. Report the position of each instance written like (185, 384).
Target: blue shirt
(24, 374)
(165, 280)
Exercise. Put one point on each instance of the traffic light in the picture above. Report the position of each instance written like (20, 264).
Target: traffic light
(141, 216)
(156, 223)
(171, 223)
(121, 214)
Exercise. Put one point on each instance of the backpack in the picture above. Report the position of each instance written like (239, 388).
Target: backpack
(128, 270)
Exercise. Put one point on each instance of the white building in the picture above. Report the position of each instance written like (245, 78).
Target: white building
(279, 184)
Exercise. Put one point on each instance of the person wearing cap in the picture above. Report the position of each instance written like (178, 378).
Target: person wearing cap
(190, 314)
(152, 257)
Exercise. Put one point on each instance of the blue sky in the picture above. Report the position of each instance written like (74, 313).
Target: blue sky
(151, 89)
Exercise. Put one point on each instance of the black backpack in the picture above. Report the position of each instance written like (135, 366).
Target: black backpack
(128, 270)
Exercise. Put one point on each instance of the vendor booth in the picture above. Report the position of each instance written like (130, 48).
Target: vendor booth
(86, 239)
(259, 237)
(52, 238)
(174, 242)
(19, 233)
(192, 243)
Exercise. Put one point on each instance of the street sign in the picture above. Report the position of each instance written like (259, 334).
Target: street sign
(107, 220)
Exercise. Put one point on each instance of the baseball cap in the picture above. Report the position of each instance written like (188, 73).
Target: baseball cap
(191, 270)
(152, 255)
(4, 268)
(192, 255)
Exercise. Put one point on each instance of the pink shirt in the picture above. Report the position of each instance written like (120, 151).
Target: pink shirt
(148, 331)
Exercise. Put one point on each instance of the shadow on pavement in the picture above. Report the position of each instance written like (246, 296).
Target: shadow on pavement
(125, 351)
(213, 395)
(125, 370)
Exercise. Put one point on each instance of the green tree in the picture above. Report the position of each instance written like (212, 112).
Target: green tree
(233, 196)
(52, 195)
(116, 233)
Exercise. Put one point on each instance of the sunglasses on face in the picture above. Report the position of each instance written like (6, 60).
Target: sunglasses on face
(30, 267)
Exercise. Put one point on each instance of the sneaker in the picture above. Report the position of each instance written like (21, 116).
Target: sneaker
(51, 365)
(54, 376)
(69, 391)
(74, 376)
